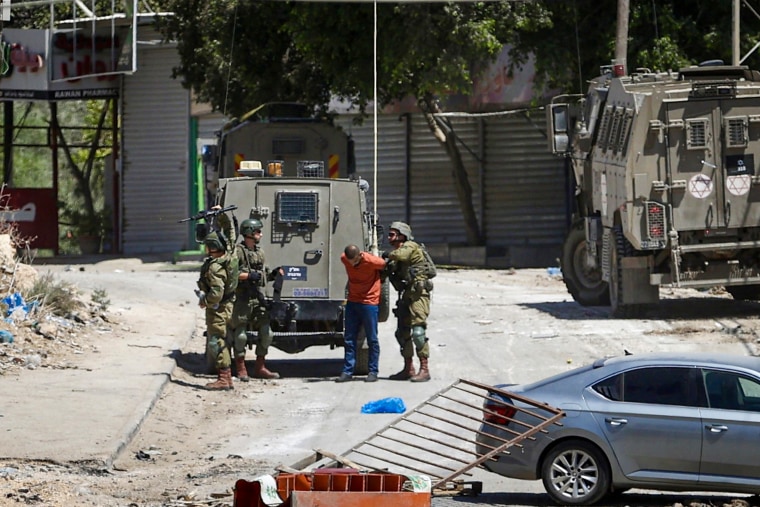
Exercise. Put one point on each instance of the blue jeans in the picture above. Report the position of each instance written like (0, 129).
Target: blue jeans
(358, 315)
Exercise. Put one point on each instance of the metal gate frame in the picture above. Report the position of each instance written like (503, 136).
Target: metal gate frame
(448, 422)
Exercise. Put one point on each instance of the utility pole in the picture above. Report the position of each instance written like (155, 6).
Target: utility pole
(621, 37)
(735, 56)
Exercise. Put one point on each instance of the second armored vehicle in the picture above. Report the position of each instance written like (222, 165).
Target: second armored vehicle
(667, 187)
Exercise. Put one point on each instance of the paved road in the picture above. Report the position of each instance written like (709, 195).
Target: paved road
(90, 413)
(488, 326)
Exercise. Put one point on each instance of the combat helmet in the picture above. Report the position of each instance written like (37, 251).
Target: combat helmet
(403, 228)
(249, 226)
(214, 242)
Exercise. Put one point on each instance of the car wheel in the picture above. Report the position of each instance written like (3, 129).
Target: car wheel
(576, 473)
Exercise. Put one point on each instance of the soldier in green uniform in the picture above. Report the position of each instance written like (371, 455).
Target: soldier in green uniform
(250, 310)
(217, 283)
(409, 271)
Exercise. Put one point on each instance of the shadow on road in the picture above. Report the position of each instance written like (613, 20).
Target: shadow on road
(622, 500)
(313, 370)
(670, 309)
(191, 362)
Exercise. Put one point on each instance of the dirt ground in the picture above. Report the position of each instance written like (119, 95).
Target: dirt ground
(172, 461)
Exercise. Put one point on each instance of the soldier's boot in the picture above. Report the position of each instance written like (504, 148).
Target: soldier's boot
(424, 374)
(242, 372)
(406, 373)
(223, 381)
(260, 370)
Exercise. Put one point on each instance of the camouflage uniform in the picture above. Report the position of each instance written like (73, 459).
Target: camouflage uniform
(413, 306)
(250, 311)
(218, 281)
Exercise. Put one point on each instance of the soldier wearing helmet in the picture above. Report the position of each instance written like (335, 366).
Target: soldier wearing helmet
(250, 310)
(217, 284)
(409, 271)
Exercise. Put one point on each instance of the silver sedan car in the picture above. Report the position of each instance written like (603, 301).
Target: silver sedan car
(676, 422)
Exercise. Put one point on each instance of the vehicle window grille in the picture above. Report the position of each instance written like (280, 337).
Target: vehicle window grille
(625, 132)
(291, 146)
(696, 134)
(604, 128)
(310, 169)
(297, 207)
(617, 117)
(736, 132)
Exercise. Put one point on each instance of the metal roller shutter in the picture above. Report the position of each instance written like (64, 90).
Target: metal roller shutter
(391, 162)
(155, 177)
(524, 191)
(436, 214)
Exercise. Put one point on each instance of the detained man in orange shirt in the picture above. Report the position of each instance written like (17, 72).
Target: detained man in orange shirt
(362, 308)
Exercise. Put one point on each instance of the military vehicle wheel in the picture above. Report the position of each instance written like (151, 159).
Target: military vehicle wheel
(362, 355)
(744, 292)
(621, 249)
(584, 282)
(384, 310)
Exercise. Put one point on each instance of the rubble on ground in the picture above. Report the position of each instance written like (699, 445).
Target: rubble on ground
(32, 337)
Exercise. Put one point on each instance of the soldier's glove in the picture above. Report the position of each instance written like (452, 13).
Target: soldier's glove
(201, 298)
(254, 276)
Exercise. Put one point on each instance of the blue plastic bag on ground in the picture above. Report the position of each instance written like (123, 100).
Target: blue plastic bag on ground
(384, 406)
(14, 301)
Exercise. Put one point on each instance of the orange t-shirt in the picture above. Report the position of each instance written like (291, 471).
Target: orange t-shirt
(364, 278)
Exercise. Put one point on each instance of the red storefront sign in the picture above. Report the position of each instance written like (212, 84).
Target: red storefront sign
(35, 213)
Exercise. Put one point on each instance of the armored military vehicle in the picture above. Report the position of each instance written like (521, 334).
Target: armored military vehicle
(280, 135)
(308, 220)
(667, 188)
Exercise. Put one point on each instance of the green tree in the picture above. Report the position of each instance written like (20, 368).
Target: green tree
(236, 54)
(576, 37)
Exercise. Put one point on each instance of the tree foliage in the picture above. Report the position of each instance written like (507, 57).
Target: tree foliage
(237, 54)
(576, 37)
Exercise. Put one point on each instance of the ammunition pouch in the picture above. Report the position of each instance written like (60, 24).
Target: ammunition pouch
(254, 292)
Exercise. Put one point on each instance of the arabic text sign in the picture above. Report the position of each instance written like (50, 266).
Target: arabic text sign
(35, 213)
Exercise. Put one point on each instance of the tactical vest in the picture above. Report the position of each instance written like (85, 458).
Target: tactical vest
(230, 265)
(427, 266)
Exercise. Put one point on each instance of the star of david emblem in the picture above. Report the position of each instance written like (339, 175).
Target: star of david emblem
(738, 184)
(700, 186)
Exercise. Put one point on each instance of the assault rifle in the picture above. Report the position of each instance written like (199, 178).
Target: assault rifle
(208, 213)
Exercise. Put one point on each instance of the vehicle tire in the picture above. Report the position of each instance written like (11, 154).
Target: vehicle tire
(621, 248)
(362, 355)
(384, 311)
(584, 283)
(744, 292)
(576, 473)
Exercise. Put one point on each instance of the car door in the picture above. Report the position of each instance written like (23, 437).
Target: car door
(731, 434)
(651, 420)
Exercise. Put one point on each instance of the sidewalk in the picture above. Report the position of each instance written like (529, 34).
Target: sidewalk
(89, 414)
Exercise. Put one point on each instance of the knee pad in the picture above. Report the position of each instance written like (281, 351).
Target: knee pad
(240, 338)
(215, 346)
(265, 335)
(418, 336)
